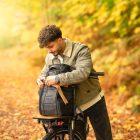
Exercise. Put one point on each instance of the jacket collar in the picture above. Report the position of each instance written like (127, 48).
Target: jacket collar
(68, 49)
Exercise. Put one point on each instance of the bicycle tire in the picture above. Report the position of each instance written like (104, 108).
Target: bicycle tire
(51, 136)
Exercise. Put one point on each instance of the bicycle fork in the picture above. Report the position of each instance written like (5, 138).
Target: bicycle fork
(71, 129)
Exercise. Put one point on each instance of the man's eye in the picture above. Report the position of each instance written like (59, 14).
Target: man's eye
(50, 46)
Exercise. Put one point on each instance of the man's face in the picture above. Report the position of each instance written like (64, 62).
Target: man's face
(54, 47)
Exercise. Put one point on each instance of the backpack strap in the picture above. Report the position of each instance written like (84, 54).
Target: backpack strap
(61, 93)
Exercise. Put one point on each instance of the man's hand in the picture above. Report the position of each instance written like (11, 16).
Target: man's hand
(51, 80)
(41, 82)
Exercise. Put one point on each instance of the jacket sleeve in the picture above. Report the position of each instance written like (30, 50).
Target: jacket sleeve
(83, 68)
(44, 69)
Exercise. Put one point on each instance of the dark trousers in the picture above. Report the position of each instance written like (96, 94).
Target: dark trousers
(99, 119)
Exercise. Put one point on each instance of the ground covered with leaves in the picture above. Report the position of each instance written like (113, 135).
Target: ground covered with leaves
(19, 103)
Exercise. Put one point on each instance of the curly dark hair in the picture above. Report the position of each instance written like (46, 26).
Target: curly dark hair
(48, 34)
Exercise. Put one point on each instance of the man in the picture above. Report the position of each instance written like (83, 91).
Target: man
(89, 96)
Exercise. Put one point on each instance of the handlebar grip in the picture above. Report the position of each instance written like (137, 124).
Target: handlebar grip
(96, 74)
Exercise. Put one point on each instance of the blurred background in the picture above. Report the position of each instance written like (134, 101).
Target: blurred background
(110, 28)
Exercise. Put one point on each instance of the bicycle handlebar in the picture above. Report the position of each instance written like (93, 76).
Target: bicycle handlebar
(93, 74)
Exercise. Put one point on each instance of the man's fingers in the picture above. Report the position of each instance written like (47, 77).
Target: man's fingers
(46, 82)
(49, 83)
(40, 83)
(41, 86)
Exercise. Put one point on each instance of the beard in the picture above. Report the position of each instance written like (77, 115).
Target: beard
(55, 53)
(58, 51)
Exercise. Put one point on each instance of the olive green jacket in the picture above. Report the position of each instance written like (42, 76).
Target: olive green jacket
(78, 56)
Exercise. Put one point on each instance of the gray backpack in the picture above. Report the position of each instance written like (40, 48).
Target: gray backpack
(50, 102)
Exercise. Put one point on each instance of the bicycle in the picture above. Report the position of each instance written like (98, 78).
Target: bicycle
(66, 127)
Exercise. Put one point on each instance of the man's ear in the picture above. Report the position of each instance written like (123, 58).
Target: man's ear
(60, 40)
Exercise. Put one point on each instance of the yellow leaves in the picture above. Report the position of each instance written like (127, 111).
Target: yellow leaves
(133, 103)
(137, 30)
(102, 14)
(122, 89)
(111, 57)
(119, 136)
(122, 5)
(134, 13)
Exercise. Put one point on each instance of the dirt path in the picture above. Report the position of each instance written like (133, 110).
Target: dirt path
(19, 103)
(18, 100)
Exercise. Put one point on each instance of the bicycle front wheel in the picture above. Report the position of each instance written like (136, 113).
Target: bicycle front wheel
(62, 134)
